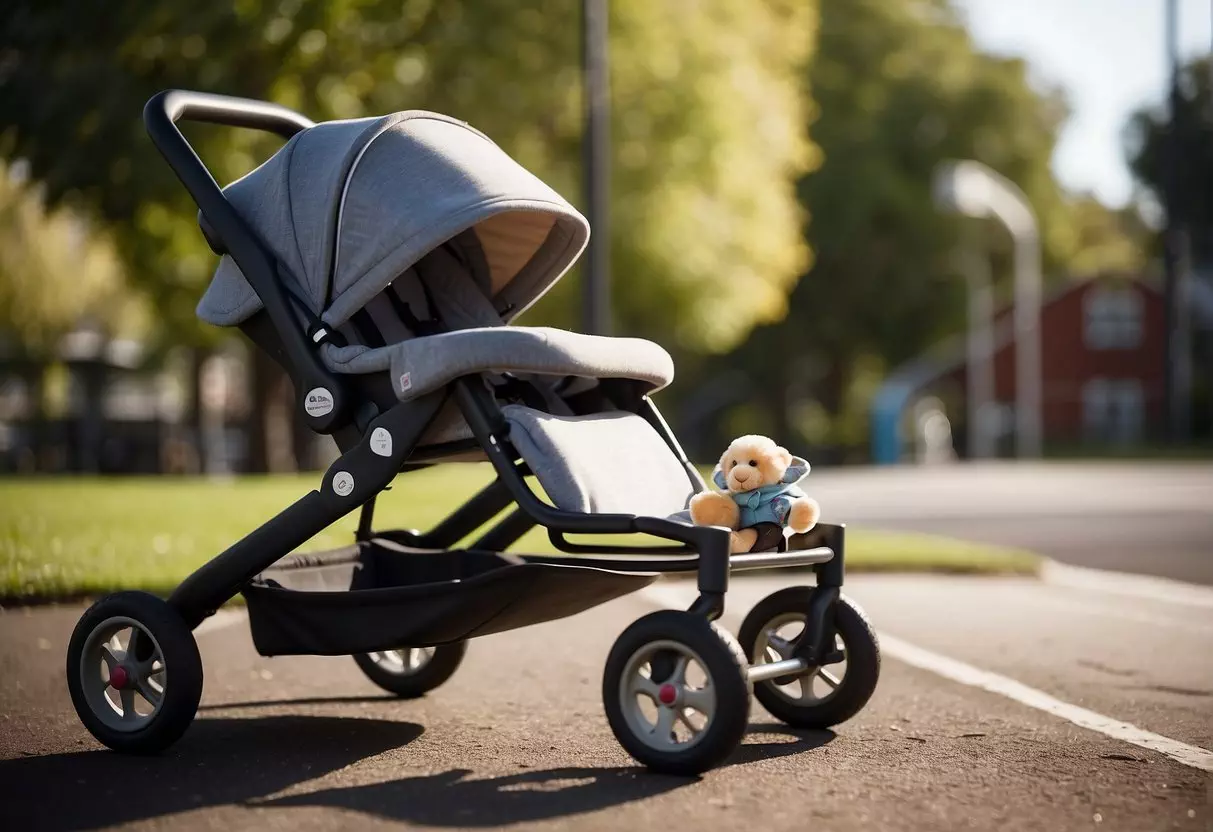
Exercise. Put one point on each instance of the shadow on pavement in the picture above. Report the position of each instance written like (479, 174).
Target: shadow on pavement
(244, 761)
(310, 700)
(458, 798)
(796, 741)
(218, 762)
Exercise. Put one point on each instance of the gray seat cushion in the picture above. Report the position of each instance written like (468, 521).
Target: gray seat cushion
(604, 463)
(420, 365)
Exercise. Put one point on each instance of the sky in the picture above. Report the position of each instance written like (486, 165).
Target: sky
(1110, 58)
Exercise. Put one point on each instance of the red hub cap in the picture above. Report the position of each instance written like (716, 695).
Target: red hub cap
(667, 693)
(119, 678)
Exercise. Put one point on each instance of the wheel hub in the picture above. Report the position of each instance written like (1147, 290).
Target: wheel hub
(667, 694)
(119, 678)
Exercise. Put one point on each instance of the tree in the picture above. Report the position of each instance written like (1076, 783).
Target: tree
(54, 272)
(900, 87)
(56, 275)
(708, 132)
(1147, 135)
(1148, 146)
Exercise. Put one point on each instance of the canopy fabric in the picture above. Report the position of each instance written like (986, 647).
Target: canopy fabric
(348, 207)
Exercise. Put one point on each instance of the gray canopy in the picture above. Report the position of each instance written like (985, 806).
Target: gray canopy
(420, 211)
(350, 206)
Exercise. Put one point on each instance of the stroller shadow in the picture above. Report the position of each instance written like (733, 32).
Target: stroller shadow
(309, 700)
(223, 762)
(218, 762)
(457, 798)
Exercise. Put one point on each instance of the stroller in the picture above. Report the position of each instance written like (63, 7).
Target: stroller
(381, 261)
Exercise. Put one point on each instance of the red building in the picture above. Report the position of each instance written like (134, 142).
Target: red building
(1102, 347)
(1102, 353)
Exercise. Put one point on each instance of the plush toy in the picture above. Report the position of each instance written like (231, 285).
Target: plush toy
(760, 496)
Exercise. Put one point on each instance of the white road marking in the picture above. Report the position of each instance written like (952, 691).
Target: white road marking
(220, 620)
(679, 596)
(1121, 583)
(965, 674)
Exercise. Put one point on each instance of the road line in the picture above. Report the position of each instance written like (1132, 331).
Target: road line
(673, 596)
(220, 620)
(1123, 583)
(965, 674)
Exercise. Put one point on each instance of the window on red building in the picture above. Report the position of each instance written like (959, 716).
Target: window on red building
(1112, 319)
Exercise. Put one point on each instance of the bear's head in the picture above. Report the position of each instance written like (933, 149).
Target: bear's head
(754, 461)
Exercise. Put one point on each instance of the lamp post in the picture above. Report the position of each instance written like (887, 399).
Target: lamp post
(979, 349)
(974, 190)
(595, 146)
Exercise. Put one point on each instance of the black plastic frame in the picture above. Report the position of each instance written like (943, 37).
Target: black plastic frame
(160, 116)
(364, 474)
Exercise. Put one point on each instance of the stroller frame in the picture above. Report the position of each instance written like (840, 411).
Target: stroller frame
(362, 472)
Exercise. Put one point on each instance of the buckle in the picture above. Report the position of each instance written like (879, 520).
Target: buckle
(322, 333)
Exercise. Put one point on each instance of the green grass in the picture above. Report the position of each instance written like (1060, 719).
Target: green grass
(71, 537)
(1198, 451)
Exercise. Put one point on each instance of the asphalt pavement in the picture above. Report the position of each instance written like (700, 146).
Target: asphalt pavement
(1152, 518)
(1081, 700)
(518, 736)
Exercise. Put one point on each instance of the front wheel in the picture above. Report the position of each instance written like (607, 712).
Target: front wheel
(822, 696)
(676, 693)
(134, 673)
(411, 672)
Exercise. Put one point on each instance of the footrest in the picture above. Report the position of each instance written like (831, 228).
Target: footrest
(774, 560)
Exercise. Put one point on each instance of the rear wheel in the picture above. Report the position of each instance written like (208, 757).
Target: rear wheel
(822, 696)
(134, 673)
(410, 672)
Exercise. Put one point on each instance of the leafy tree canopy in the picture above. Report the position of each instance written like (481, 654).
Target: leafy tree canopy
(708, 126)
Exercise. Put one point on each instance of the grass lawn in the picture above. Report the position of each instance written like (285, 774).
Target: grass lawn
(68, 537)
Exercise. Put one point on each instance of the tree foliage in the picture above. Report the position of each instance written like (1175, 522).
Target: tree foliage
(708, 125)
(54, 272)
(900, 87)
(1147, 137)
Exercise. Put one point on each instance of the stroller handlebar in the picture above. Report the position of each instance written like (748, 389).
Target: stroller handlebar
(176, 105)
(160, 116)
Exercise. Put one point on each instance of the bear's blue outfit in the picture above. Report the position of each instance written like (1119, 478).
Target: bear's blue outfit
(770, 503)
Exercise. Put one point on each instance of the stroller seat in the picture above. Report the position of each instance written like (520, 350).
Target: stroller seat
(420, 365)
(409, 243)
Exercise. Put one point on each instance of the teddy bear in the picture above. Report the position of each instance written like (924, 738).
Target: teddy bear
(760, 495)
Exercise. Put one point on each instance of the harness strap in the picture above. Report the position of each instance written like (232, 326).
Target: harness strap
(514, 388)
(433, 326)
(367, 329)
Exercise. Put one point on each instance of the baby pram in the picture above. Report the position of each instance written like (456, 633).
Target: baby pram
(381, 261)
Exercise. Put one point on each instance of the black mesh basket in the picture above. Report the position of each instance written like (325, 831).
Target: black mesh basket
(376, 596)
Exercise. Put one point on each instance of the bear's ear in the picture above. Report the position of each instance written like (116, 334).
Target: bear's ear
(797, 470)
(718, 478)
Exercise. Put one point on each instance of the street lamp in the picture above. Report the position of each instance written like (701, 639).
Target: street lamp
(973, 190)
(982, 411)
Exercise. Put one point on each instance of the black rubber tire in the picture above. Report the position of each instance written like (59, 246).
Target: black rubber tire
(726, 666)
(183, 677)
(863, 660)
(437, 670)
